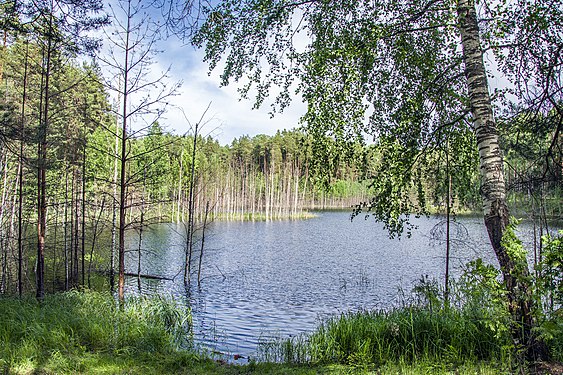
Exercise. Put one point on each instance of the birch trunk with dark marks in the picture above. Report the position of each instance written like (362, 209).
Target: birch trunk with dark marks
(493, 188)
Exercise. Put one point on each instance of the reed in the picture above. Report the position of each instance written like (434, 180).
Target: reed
(470, 328)
(406, 334)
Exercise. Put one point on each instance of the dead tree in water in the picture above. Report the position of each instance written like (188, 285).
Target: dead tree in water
(129, 58)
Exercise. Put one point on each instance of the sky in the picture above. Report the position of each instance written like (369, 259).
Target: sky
(228, 117)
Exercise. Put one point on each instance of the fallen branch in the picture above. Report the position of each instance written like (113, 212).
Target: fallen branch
(152, 277)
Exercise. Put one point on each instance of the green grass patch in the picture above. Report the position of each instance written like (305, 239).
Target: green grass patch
(88, 333)
(408, 335)
(183, 362)
(66, 326)
(425, 332)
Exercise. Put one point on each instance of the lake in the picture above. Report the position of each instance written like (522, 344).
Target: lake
(267, 280)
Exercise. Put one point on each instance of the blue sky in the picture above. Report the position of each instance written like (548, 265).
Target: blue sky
(228, 116)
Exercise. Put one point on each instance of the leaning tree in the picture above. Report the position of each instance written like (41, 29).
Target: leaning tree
(406, 74)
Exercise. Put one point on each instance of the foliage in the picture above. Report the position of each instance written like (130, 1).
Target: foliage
(533, 156)
(485, 297)
(366, 76)
(549, 290)
(551, 268)
(513, 245)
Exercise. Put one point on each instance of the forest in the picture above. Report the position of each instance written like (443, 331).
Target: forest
(258, 178)
(61, 143)
(393, 133)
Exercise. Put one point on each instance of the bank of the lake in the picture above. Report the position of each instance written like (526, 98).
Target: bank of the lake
(89, 333)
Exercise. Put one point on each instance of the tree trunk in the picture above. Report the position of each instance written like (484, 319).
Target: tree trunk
(94, 237)
(83, 213)
(141, 224)
(76, 267)
(55, 245)
(21, 161)
(180, 185)
(113, 220)
(123, 161)
(3, 246)
(65, 231)
(41, 171)
(493, 189)
(202, 244)
(190, 231)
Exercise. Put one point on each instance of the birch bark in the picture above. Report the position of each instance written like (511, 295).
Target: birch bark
(493, 188)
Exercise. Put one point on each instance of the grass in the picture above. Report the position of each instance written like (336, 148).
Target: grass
(188, 363)
(88, 333)
(410, 335)
(37, 337)
(469, 334)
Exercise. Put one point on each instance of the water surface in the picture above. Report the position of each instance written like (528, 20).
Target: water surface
(264, 280)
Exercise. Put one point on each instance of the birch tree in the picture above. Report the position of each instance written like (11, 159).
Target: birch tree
(397, 72)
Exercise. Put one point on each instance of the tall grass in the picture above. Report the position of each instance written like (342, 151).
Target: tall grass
(74, 323)
(471, 328)
(407, 334)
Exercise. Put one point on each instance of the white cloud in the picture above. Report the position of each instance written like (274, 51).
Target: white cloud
(230, 117)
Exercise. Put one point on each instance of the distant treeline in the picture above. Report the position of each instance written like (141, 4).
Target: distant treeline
(254, 178)
(61, 159)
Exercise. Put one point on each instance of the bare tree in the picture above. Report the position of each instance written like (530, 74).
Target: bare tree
(143, 96)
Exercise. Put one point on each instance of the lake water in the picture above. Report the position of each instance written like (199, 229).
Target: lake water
(265, 280)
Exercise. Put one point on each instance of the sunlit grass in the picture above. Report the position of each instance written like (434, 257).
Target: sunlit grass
(88, 333)
(47, 335)
(407, 335)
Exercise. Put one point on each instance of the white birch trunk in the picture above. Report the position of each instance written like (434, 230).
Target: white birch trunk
(493, 189)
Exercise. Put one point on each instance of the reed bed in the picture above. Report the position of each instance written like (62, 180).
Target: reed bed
(408, 334)
(471, 328)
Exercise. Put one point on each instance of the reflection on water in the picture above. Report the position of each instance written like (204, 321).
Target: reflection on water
(264, 280)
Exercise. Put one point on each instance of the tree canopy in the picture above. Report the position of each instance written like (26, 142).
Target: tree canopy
(409, 76)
